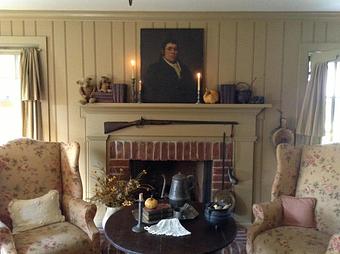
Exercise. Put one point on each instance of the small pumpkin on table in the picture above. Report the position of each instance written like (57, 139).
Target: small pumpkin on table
(151, 203)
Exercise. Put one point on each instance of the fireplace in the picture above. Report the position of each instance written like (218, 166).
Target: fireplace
(186, 143)
(201, 159)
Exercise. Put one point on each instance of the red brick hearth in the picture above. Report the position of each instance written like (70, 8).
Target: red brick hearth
(119, 154)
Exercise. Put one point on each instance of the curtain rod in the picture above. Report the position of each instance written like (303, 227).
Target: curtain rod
(322, 51)
(18, 48)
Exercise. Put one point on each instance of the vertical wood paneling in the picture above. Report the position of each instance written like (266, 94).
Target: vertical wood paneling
(29, 27)
(307, 31)
(244, 51)
(171, 24)
(290, 65)
(273, 82)
(212, 69)
(227, 52)
(118, 41)
(60, 65)
(258, 89)
(18, 27)
(183, 24)
(159, 24)
(6, 27)
(320, 31)
(333, 32)
(130, 49)
(259, 57)
(74, 72)
(103, 48)
(89, 49)
(45, 28)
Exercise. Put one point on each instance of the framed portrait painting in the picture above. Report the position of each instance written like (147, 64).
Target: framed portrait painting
(170, 61)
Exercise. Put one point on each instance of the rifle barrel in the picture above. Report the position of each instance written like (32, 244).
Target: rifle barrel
(114, 126)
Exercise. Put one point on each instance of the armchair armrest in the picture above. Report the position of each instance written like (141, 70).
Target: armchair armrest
(6, 240)
(267, 216)
(81, 214)
(334, 244)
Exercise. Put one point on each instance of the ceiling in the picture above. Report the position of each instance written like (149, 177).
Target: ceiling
(174, 5)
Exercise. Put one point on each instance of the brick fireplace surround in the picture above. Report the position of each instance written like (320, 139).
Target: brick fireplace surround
(194, 143)
(119, 154)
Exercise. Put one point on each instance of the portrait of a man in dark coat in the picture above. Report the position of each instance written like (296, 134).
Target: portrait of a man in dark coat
(169, 79)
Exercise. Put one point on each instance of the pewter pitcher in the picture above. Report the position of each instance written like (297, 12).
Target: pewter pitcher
(179, 190)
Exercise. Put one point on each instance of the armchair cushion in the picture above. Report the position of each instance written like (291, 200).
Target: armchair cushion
(37, 212)
(298, 211)
(334, 244)
(287, 239)
(268, 215)
(54, 239)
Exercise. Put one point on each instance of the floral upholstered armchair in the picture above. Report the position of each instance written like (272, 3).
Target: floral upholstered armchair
(309, 171)
(30, 169)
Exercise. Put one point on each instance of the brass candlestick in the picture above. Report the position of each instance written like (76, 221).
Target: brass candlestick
(133, 90)
(139, 95)
(198, 97)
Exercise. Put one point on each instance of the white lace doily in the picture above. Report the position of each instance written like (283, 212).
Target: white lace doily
(171, 227)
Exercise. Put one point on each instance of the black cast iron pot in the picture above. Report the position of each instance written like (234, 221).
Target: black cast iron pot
(216, 217)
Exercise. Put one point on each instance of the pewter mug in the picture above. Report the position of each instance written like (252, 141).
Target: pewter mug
(179, 190)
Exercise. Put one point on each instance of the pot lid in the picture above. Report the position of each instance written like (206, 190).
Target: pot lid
(179, 176)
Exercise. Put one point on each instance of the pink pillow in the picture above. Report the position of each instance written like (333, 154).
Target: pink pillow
(298, 211)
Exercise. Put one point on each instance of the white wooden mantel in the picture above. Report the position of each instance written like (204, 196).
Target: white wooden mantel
(245, 135)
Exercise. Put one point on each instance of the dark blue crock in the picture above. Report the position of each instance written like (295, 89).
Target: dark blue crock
(216, 217)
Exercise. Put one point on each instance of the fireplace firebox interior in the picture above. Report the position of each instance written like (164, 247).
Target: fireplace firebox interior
(160, 173)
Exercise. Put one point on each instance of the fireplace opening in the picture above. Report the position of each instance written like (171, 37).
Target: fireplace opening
(157, 171)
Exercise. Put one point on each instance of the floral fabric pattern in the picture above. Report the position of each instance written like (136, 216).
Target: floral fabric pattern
(288, 164)
(29, 169)
(334, 244)
(267, 216)
(320, 178)
(310, 171)
(289, 239)
(55, 238)
(6, 240)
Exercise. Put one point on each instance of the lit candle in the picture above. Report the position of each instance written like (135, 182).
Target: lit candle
(141, 196)
(133, 65)
(140, 86)
(198, 81)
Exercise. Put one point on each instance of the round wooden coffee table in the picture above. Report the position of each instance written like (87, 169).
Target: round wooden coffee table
(203, 239)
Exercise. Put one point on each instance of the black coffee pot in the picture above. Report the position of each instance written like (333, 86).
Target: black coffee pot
(180, 189)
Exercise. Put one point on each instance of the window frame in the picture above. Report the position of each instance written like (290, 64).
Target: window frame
(18, 42)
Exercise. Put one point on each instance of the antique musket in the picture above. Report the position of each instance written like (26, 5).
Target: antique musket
(114, 126)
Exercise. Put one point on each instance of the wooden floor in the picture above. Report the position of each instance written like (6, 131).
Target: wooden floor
(238, 246)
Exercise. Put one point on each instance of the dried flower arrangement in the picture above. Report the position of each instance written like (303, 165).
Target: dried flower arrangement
(113, 191)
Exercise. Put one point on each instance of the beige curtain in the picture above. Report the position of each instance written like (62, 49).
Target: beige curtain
(310, 127)
(31, 93)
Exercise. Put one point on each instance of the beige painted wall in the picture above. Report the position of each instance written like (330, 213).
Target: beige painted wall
(238, 47)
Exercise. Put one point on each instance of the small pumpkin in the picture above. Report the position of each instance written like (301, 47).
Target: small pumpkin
(151, 203)
(210, 96)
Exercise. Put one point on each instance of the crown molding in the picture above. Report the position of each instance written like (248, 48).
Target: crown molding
(157, 16)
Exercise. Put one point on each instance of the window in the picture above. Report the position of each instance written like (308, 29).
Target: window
(332, 116)
(10, 101)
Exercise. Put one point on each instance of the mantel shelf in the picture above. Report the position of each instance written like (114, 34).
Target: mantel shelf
(163, 107)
